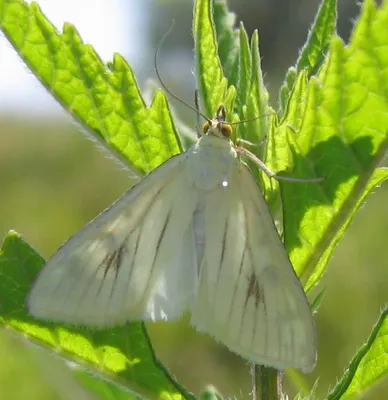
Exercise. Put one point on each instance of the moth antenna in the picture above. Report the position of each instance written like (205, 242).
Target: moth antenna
(160, 78)
(251, 119)
(196, 103)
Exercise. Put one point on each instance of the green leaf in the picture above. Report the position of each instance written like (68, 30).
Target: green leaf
(244, 69)
(314, 51)
(316, 303)
(211, 80)
(369, 365)
(311, 396)
(335, 127)
(252, 104)
(256, 102)
(107, 102)
(357, 198)
(122, 355)
(227, 39)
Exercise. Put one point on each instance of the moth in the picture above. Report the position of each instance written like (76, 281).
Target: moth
(194, 235)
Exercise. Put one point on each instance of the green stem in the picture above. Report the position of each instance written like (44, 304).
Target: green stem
(266, 383)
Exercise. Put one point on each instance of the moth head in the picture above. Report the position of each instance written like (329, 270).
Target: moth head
(218, 125)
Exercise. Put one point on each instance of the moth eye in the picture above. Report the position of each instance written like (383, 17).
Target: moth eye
(226, 130)
(206, 127)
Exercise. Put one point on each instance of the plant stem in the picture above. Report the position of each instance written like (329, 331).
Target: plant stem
(266, 384)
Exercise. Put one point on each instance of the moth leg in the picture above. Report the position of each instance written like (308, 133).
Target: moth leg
(271, 174)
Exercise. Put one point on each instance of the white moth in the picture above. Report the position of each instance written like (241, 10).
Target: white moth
(193, 235)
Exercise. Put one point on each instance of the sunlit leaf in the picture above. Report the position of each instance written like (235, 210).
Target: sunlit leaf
(368, 367)
(105, 99)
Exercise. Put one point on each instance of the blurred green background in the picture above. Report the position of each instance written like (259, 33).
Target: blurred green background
(53, 180)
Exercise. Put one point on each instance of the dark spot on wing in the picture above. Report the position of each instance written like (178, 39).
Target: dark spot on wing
(112, 261)
(253, 290)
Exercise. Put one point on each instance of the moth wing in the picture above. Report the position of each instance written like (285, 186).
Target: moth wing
(119, 266)
(249, 296)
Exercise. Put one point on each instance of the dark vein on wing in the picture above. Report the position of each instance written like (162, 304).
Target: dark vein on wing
(254, 288)
(74, 268)
(251, 196)
(109, 258)
(238, 280)
(110, 263)
(119, 261)
(131, 266)
(79, 270)
(280, 347)
(221, 259)
(246, 250)
(255, 323)
(266, 318)
(147, 287)
(292, 342)
(253, 291)
(140, 225)
(246, 247)
(87, 286)
(69, 270)
(223, 245)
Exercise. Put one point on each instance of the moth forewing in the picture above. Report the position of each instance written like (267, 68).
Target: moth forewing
(259, 308)
(100, 264)
(279, 280)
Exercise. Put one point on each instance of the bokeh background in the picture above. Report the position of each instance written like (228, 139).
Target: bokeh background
(53, 180)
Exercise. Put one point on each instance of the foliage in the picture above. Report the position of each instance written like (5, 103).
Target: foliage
(331, 123)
